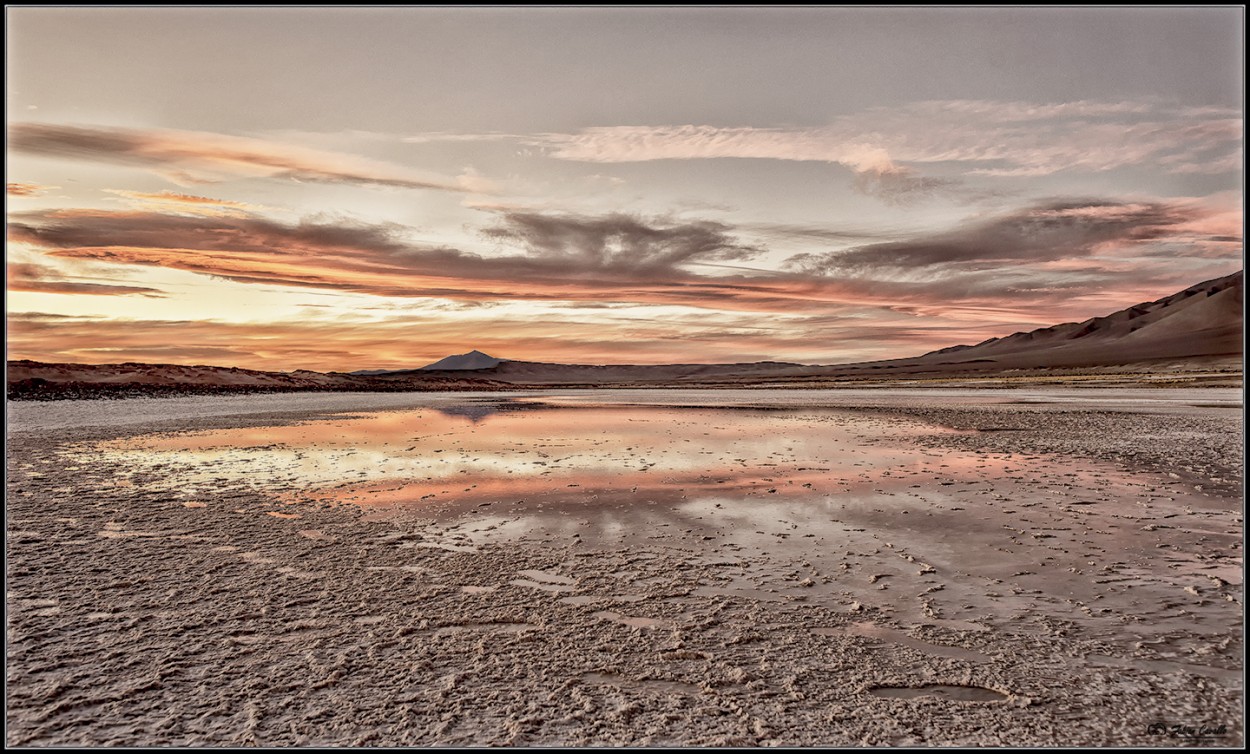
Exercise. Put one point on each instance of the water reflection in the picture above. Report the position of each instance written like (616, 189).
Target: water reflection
(474, 412)
(590, 456)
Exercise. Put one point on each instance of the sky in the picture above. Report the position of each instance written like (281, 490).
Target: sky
(348, 188)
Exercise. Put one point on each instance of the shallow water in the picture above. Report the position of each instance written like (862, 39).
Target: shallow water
(421, 459)
(35, 416)
(940, 691)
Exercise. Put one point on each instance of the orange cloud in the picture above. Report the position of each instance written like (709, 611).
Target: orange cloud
(190, 204)
(28, 189)
(37, 278)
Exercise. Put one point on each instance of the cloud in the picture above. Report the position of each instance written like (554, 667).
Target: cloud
(196, 157)
(174, 202)
(888, 148)
(815, 233)
(1054, 256)
(899, 186)
(28, 189)
(619, 242)
(1053, 231)
(987, 138)
(37, 278)
(876, 173)
(565, 257)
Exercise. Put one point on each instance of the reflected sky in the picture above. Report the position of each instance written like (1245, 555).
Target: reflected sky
(511, 452)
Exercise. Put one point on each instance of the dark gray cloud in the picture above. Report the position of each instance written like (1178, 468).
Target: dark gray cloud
(619, 242)
(1052, 231)
(820, 233)
(900, 186)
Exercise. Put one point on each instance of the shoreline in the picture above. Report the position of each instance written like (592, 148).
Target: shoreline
(1110, 377)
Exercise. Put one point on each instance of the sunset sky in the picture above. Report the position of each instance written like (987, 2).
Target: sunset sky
(340, 189)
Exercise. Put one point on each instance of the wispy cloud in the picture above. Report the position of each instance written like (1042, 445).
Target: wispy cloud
(885, 147)
(1059, 230)
(995, 138)
(28, 189)
(174, 202)
(196, 157)
(37, 278)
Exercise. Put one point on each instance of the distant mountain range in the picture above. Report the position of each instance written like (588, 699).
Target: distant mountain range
(1199, 327)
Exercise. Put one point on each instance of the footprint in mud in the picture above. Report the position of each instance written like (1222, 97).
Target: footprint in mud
(939, 691)
(316, 534)
(651, 685)
(114, 530)
(544, 580)
(894, 636)
(546, 577)
(631, 621)
(497, 628)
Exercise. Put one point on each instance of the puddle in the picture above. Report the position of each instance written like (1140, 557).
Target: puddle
(428, 460)
(939, 691)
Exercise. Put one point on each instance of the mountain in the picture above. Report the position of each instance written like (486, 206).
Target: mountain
(464, 361)
(1201, 322)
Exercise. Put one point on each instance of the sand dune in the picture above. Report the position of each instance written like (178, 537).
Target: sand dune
(1202, 321)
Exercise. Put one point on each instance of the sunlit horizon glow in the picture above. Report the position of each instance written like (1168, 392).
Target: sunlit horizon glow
(341, 189)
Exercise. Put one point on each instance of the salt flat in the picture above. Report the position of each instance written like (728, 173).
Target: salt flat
(699, 567)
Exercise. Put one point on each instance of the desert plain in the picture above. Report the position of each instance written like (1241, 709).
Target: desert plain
(1035, 565)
